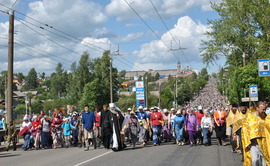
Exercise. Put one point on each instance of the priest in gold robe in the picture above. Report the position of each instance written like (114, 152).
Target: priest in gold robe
(254, 138)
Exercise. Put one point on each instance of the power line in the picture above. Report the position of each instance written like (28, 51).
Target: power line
(61, 31)
(44, 54)
(67, 38)
(149, 27)
(169, 31)
(49, 38)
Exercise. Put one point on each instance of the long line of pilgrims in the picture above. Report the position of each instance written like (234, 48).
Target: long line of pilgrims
(248, 129)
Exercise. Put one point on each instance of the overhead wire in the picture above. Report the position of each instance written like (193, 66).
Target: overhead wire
(49, 26)
(179, 45)
(67, 38)
(49, 38)
(150, 28)
(64, 62)
(31, 55)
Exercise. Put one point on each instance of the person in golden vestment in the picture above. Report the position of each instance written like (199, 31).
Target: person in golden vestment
(254, 138)
(237, 127)
(267, 133)
(229, 126)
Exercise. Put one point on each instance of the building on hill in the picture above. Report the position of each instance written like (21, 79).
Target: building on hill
(179, 72)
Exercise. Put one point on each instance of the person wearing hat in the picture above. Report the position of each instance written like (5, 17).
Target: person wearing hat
(113, 123)
(88, 122)
(26, 124)
(132, 124)
(178, 127)
(75, 131)
(155, 119)
(144, 125)
(126, 132)
(67, 128)
(207, 128)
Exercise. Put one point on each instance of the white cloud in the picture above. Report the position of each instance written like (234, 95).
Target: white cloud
(189, 32)
(40, 64)
(166, 8)
(98, 45)
(78, 18)
(132, 25)
(132, 36)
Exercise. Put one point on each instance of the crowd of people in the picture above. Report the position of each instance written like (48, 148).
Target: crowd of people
(209, 96)
(246, 127)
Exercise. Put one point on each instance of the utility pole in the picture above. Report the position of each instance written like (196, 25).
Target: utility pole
(176, 95)
(111, 80)
(146, 92)
(111, 88)
(10, 65)
(159, 100)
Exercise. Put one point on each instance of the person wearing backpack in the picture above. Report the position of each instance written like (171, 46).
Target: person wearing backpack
(67, 128)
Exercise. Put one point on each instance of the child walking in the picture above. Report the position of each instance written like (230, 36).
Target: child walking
(67, 127)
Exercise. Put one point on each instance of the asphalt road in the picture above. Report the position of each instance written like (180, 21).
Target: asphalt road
(163, 155)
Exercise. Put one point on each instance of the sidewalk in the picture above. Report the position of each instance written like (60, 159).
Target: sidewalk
(3, 145)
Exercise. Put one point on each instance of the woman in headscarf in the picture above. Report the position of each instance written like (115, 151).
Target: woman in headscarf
(26, 126)
(166, 132)
(133, 126)
(207, 127)
(36, 132)
(178, 126)
(191, 126)
(57, 133)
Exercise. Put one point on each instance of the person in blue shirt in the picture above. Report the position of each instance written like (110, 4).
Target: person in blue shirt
(88, 122)
(75, 132)
(178, 127)
(67, 127)
(143, 119)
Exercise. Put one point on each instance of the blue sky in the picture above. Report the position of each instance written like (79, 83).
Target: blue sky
(104, 24)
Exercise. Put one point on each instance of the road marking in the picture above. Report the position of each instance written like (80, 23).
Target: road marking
(93, 158)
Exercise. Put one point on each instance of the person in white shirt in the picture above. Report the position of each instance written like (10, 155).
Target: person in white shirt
(207, 128)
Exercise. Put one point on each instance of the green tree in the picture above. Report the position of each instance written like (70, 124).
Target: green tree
(97, 92)
(241, 29)
(59, 82)
(31, 80)
(157, 76)
(79, 77)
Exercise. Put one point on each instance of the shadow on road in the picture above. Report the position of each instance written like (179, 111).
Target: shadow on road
(2, 155)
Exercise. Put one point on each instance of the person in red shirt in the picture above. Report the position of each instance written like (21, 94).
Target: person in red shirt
(97, 130)
(36, 132)
(156, 120)
(199, 114)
